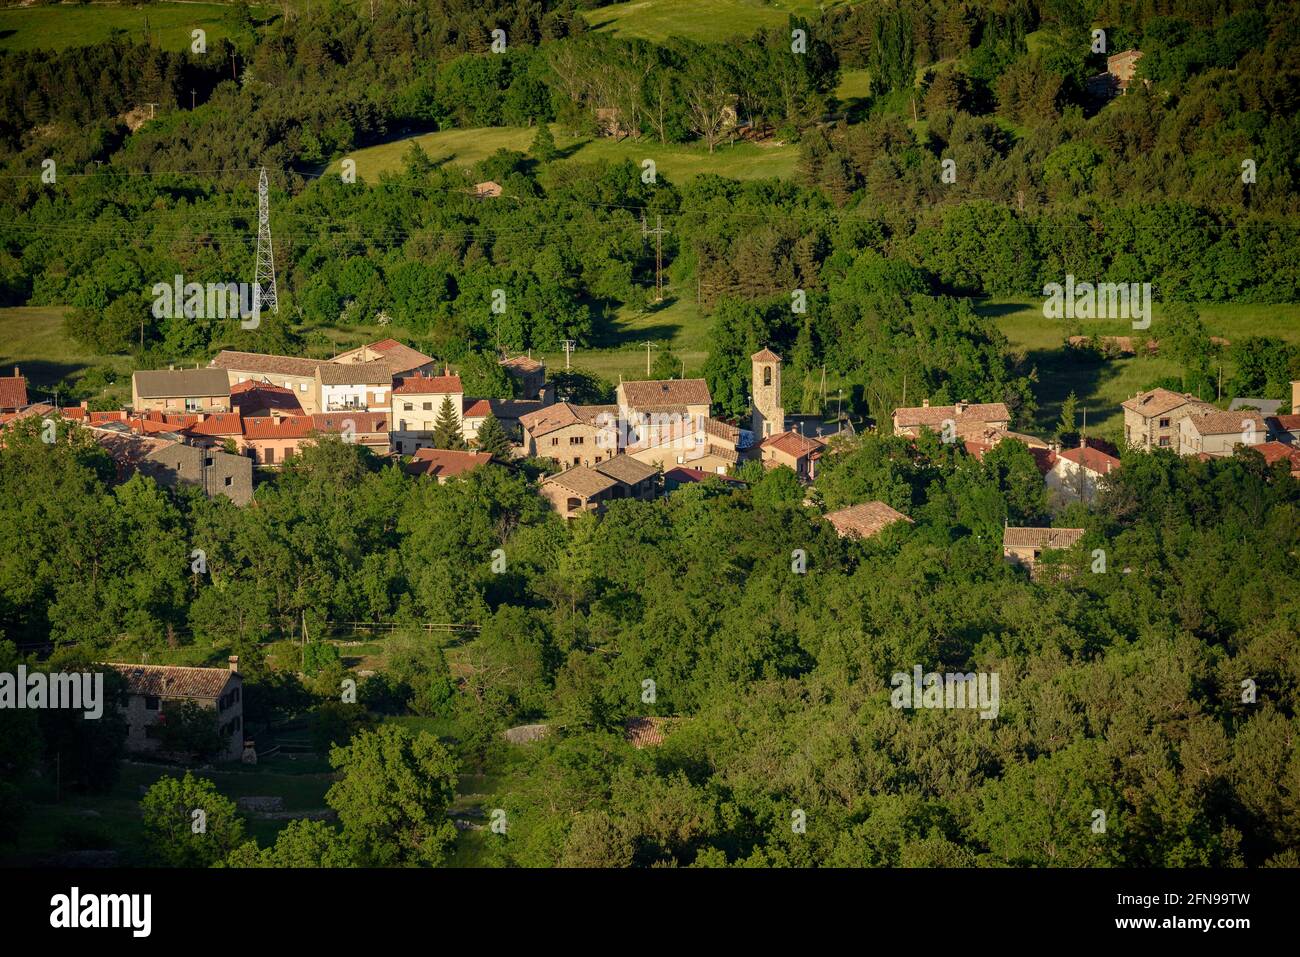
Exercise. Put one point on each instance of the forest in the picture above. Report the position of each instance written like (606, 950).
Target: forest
(1121, 689)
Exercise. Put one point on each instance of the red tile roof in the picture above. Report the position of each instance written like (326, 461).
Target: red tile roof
(1277, 452)
(289, 427)
(765, 355)
(1094, 460)
(682, 473)
(445, 463)
(363, 423)
(793, 444)
(428, 385)
(13, 392)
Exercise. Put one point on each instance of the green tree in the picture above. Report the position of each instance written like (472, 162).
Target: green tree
(543, 148)
(188, 823)
(1067, 424)
(446, 429)
(188, 728)
(491, 437)
(392, 796)
(302, 843)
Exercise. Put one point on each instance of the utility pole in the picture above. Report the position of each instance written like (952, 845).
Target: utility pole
(232, 66)
(192, 92)
(647, 358)
(569, 346)
(658, 233)
(152, 112)
(264, 271)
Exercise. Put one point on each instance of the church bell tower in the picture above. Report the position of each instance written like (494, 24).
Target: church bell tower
(768, 418)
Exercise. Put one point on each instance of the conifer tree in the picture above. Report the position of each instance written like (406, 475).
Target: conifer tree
(492, 438)
(446, 430)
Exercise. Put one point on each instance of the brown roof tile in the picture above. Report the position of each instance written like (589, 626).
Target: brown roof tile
(653, 395)
(262, 364)
(865, 519)
(1021, 537)
(584, 481)
(13, 392)
(627, 469)
(172, 681)
(934, 415)
(445, 463)
(378, 372)
(178, 383)
(428, 385)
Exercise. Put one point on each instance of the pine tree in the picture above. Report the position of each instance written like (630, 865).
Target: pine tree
(492, 438)
(543, 148)
(446, 430)
(1069, 409)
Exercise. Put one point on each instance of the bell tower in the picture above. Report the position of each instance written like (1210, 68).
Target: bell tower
(768, 418)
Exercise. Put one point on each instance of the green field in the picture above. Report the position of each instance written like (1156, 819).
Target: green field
(677, 162)
(1102, 386)
(695, 19)
(71, 25)
(32, 338)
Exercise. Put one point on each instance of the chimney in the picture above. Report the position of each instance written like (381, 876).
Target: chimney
(234, 663)
(925, 403)
(171, 367)
(960, 407)
(15, 372)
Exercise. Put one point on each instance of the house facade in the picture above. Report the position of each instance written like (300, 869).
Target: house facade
(288, 372)
(1025, 546)
(180, 390)
(961, 419)
(153, 689)
(217, 473)
(354, 386)
(1219, 433)
(416, 402)
(1076, 474)
(1151, 419)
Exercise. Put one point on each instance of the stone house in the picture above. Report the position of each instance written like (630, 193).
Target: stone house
(962, 418)
(289, 372)
(1219, 433)
(864, 520)
(1151, 418)
(152, 689)
(1025, 546)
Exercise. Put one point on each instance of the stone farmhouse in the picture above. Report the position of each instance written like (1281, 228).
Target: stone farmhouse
(962, 419)
(152, 689)
(1025, 546)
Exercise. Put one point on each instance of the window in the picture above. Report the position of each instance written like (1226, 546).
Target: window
(192, 405)
(575, 440)
(1164, 441)
(407, 407)
(302, 387)
(428, 407)
(151, 703)
(1164, 423)
(555, 441)
(574, 504)
(207, 461)
(229, 481)
(767, 375)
